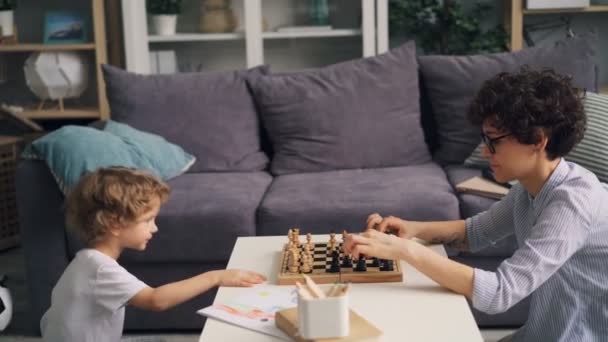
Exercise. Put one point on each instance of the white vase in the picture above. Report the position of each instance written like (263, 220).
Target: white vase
(6, 23)
(165, 24)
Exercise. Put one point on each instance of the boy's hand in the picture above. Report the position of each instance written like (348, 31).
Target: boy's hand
(240, 278)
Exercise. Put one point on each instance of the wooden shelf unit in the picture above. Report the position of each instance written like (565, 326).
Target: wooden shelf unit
(43, 47)
(590, 9)
(98, 47)
(514, 18)
(514, 21)
(67, 113)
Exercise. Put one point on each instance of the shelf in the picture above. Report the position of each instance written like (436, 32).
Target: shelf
(590, 9)
(193, 37)
(312, 34)
(196, 37)
(45, 47)
(68, 113)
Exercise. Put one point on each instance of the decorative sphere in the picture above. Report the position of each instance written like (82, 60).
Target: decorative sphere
(56, 75)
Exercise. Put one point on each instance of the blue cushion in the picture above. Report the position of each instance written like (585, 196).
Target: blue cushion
(72, 151)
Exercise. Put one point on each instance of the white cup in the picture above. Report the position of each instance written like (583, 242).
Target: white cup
(323, 317)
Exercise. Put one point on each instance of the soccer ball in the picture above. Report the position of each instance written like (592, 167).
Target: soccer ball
(6, 305)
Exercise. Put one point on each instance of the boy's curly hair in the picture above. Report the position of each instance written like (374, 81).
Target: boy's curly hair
(108, 197)
(526, 103)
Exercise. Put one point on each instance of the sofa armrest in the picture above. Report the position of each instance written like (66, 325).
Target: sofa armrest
(43, 235)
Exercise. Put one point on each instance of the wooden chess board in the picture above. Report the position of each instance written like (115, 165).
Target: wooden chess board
(321, 265)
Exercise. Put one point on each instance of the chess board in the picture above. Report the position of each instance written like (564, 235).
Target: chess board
(321, 265)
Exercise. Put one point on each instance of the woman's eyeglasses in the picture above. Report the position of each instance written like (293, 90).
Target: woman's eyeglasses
(491, 142)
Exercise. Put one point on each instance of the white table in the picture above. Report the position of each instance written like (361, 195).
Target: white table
(416, 310)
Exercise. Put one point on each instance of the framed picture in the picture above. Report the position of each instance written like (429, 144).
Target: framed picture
(65, 28)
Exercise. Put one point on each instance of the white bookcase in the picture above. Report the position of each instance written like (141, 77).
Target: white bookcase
(358, 29)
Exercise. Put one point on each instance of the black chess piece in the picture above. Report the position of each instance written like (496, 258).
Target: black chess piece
(347, 261)
(387, 265)
(375, 262)
(361, 265)
(335, 262)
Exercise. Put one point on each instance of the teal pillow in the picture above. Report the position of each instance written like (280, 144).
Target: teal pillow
(591, 153)
(72, 151)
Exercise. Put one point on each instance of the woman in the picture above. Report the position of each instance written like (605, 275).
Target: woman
(558, 213)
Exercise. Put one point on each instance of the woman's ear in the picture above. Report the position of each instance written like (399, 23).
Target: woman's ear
(543, 141)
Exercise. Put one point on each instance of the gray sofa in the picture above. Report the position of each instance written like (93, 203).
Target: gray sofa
(318, 149)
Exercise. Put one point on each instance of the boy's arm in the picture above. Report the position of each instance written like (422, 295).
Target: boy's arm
(172, 294)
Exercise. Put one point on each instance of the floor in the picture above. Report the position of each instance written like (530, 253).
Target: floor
(12, 265)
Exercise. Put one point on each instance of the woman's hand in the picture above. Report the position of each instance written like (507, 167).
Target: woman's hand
(391, 224)
(376, 244)
(240, 278)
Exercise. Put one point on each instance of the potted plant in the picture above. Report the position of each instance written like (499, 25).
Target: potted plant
(164, 15)
(7, 8)
(444, 27)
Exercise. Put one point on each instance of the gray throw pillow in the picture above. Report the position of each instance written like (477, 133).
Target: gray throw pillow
(452, 82)
(357, 114)
(211, 115)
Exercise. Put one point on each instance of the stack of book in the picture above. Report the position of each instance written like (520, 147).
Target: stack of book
(482, 187)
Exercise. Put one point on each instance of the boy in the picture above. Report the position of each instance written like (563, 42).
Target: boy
(558, 213)
(113, 209)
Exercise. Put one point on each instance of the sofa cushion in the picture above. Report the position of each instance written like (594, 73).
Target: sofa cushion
(205, 214)
(452, 82)
(358, 114)
(212, 115)
(72, 151)
(471, 205)
(337, 200)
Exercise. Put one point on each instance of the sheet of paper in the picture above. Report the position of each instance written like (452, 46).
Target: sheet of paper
(255, 309)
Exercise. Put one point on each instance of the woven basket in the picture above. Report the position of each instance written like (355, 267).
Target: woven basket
(9, 223)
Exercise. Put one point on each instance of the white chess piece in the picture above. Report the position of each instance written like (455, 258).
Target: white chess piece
(6, 305)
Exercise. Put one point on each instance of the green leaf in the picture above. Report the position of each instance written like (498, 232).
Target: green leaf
(430, 21)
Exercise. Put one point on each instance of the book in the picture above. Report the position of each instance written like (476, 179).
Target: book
(482, 187)
(255, 309)
(13, 115)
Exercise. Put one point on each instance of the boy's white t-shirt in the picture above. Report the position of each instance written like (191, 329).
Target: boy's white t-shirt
(88, 302)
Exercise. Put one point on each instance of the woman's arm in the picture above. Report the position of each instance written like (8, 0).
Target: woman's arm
(449, 233)
(447, 273)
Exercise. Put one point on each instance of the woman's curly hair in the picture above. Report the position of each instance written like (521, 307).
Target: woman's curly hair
(530, 101)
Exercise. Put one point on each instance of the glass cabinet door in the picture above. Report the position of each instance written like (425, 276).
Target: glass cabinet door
(302, 34)
(209, 36)
(236, 34)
